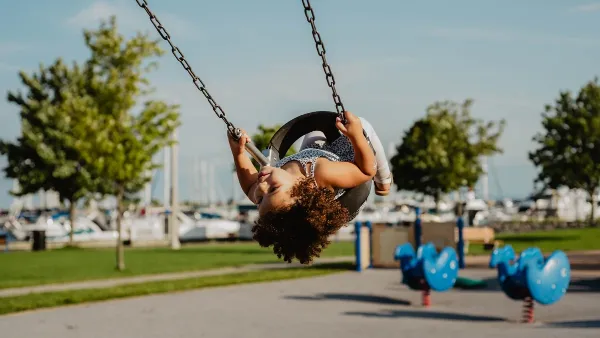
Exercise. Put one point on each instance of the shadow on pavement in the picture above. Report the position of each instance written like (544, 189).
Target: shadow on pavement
(425, 314)
(352, 297)
(586, 324)
(577, 285)
(585, 285)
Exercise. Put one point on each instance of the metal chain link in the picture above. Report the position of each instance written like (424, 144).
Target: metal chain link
(310, 17)
(181, 58)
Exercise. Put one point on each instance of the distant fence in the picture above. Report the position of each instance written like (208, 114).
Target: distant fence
(530, 226)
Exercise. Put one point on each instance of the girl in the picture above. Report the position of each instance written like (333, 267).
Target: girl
(297, 196)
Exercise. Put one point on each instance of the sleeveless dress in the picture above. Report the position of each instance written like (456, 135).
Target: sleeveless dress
(340, 150)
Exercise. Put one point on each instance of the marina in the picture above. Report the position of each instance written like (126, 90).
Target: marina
(234, 221)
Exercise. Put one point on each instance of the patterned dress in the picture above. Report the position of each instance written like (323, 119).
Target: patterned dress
(340, 150)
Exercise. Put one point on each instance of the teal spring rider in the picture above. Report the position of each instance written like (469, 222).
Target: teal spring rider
(531, 277)
(427, 270)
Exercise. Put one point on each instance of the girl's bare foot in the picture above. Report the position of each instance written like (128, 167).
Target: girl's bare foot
(382, 189)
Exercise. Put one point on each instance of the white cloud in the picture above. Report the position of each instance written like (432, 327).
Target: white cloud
(470, 34)
(5, 67)
(590, 7)
(130, 17)
(482, 34)
(7, 48)
(96, 12)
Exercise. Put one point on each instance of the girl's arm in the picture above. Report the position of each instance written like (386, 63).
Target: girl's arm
(343, 175)
(346, 175)
(246, 173)
(363, 155)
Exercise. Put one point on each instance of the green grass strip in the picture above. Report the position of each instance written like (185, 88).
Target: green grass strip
(19, 269)
(548, 241)
(53, 299)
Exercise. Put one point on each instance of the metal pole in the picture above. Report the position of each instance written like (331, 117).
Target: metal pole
(43, 204)
(234, 183)
(167, 191)
(484, 181)
(418, 229)
(357, 242)
(257, 154)
(148, 192)
(175, 245)
(204, 175)
(460, 246)
(252, 150)
(197, 180)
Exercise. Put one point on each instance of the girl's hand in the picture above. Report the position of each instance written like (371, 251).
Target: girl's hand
(238, 147)
(353, 127)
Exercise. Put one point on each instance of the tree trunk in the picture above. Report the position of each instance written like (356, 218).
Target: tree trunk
(437, 198)
(71, 222)
(120, 251)
(592, 193)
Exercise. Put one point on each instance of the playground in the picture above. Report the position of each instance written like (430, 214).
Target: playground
(351, 304)
(517, 288)
(495, 294)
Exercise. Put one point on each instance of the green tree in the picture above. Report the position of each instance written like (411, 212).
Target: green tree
(441, 152)
(49, 153)
(125, 143)
(568, 152)
(262, 137)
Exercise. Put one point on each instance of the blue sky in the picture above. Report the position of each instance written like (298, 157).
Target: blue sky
(391, 59)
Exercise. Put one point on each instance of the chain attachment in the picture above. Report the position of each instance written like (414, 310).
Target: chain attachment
(310, 17)
(182, 60)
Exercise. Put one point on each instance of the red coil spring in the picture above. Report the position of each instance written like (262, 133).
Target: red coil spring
(426, 297)
(426, 293)
(528, 310)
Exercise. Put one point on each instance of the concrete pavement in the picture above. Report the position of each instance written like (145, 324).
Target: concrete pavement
(351, 305)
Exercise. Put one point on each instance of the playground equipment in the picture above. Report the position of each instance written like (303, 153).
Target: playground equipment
(422, 268)
(427, 270)
(530, 277)
(376, 243)
(380, 239)
(363, 245)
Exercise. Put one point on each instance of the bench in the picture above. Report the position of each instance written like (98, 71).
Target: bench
(480, 235)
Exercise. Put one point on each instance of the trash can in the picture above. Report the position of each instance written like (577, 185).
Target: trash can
(4, 239)
(39, 240)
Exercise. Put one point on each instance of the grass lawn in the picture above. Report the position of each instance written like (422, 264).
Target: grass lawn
(53, 299)
(548, 241)
(69, 265)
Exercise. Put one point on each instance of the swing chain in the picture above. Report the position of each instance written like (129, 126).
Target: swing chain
(181, 58)
(310, 17)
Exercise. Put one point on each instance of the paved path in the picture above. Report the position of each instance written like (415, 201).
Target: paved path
(105, 283)
(350, 305)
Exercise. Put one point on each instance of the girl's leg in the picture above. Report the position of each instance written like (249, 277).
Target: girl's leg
(314, 137)
(384, 174)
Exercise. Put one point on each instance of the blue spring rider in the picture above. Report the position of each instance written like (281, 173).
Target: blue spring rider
(530, 277)
(427, 270)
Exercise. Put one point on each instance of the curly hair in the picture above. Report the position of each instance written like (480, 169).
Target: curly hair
(301, 230)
